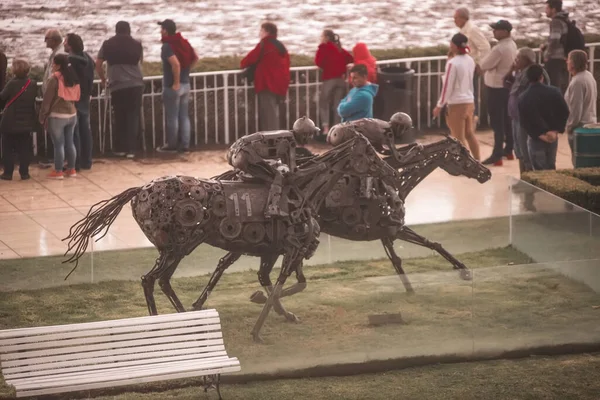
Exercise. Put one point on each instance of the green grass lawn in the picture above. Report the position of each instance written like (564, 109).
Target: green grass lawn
(508, 305)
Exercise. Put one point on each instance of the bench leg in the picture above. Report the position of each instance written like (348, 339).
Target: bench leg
(212, 382)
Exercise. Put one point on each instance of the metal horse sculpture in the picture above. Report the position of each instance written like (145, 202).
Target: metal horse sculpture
(178, 213)
(356, 210)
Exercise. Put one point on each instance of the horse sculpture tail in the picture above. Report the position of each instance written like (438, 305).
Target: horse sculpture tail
(98, 219)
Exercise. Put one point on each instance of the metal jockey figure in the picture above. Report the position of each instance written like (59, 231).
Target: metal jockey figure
(268, 155)
(383, 136)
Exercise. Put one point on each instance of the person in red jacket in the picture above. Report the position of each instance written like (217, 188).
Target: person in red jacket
(271, 77)
(362, 55)
(332, 59)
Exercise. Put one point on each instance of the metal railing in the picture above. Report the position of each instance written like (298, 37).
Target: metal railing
(223, 107)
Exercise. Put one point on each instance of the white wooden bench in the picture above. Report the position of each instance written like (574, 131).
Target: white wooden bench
(67, 358)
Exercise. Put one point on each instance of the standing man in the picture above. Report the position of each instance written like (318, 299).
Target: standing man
(496, 65)
(178, 57)
(358, 103)
(83, 65)
(271, 61)
(581, 95)
(3, 68)
(554, 49)
(479, 46)
(53, 41)
(543, 114)
(123, 55)
(517, 82)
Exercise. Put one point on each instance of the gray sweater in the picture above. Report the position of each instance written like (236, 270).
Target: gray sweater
(581, 97)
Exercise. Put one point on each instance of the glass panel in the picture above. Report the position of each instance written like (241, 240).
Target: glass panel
(550, 229)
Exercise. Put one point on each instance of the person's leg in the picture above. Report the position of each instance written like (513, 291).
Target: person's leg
(84, 151)
(56, 129)
(476, 95)
(507, 125)
(119, 101)
(551, 150)
(338, 95)
(517, 143)
(325, 100)
(521, 138)
(470, 132)
(133, 119)
(8, 155)
(496, 121)
(268, 110)
(25, 150)
(171, 109)
(538, 151)
(455, 119)
(77, 143)
(185, 127)
(558, 73)
(70, 150)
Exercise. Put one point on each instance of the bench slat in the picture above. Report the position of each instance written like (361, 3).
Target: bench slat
(54, 370)
(116, 346)
(112, 352)
(107, 331)
(124, 382)
(116, 340)
(190, 315)
(120, 372)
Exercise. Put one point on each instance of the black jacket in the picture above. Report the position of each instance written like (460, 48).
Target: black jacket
(542, 108)
(20, 116)
(84, 66)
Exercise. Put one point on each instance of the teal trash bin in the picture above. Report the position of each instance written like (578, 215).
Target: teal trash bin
(586, 147)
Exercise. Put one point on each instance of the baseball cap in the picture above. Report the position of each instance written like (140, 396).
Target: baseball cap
(168, 25)
(502, 25)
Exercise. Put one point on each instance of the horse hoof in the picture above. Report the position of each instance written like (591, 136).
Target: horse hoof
(466, 275)
(257, 339)
(258, 297)
(291, 317)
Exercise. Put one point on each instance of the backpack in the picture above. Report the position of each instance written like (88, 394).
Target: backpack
(573, 39)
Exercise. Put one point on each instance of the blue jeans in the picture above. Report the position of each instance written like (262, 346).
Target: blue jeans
(500, 121)
(61, 131)
(177, 118)
(476, 93)
(542, 154)
(520, 142)
(83, 136)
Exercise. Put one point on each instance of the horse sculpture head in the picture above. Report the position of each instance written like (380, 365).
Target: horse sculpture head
(459, 161)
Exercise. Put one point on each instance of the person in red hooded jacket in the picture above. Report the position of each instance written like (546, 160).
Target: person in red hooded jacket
(271, 77)
(362, 55)
(332, 58)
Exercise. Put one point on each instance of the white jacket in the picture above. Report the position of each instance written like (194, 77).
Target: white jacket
(479, 45)
(499, 63)
(457, 87)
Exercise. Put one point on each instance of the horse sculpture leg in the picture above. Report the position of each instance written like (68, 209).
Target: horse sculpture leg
(259, 297)
(388, 244)
(224, 263)
(408, 235)
(149, 279)
(266, 266)
(288, 265)
(165, 282)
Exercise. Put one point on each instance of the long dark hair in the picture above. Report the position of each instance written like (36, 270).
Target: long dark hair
(68, 73)
(332, 37)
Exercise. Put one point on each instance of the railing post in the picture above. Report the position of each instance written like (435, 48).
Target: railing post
(226, 106)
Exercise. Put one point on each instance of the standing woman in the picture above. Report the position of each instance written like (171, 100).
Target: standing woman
(332, 59)
(58, 113)
(457, 93)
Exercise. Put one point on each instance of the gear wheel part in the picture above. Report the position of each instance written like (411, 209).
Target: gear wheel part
(351, 215)
(254, 232)
(188, 213)
(230, 228)
(361, 164)
(218, 205)
(197, 193)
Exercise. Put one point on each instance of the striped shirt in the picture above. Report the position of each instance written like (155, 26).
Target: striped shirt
(457, 85)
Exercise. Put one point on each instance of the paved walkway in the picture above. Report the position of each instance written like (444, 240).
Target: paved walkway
(36, 214)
